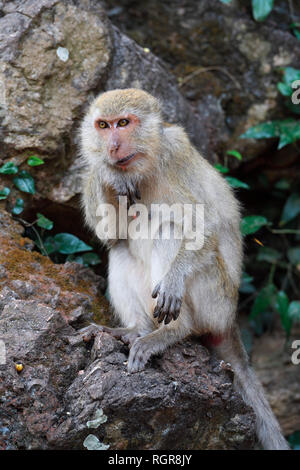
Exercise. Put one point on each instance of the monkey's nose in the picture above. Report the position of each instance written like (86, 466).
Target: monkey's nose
(113, 148)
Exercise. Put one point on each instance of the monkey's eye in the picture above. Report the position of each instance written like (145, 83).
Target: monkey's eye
(123, 122)
(102, 124)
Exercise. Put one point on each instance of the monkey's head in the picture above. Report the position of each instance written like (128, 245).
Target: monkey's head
(123, 129)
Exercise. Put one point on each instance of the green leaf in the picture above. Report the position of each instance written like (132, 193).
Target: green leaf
(43, 222)
(235, 183)
(282, 184)
(18, 207)
(35, 161)
(234, 153)
(282, 306)
(252, 223)
(294, 310)
(68, 244)
(246, 287)
(9, 168)
(289, 76)
(268, 254)
(24, 182)
(295, 108)
(296, 33)
(264, 299)
(49, 245)
(284, 89)
(261, 9)
(291, 208)
(221, 168)
(287, 130)
(4, 193)
(282, 303)
(265, 130)
(86, 259)
(294, 255)
(294, 440)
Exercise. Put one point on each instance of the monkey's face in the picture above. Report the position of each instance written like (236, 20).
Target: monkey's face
(123, 130)
(119, 137)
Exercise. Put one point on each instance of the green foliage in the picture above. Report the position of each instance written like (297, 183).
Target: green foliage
(289, 76)
(287, 130)
(235, 153)
(86, 259)
(294, 440)
(296, 29)
(268, 254)
(18, 207)
(4, 193)
(282, 305)
(221, 168)
(66, 244)
(294, 255)
(24, 182)
(9, 168)
(246, 286)
(44, 223)
(291, 208)
(264, 299)
(235, 183)
(226, 2)
(35, 161)
(261, 9)
(252, 223)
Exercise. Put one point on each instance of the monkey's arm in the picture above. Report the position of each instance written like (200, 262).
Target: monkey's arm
(170, 290)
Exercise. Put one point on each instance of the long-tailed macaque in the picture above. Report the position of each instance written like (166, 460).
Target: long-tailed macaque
(160, 290)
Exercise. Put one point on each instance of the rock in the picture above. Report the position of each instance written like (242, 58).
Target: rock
(68, 287)
(65, 393)
(54, 57)
(227, 64)
(31, 401)
(43, 94)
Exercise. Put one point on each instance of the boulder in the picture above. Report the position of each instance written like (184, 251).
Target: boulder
(57, 386)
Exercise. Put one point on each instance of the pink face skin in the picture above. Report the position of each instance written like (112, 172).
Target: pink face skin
(116, 132)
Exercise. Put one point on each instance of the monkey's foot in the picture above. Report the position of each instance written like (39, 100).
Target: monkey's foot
(169, 304)
(138, 356)
(126, 335)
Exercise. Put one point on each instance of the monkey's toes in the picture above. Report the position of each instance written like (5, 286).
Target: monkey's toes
(138, 356)
(89, 332)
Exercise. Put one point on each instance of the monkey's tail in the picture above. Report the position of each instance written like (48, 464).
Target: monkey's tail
(232, 350)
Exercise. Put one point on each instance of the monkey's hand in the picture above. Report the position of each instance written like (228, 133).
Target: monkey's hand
(170, 295)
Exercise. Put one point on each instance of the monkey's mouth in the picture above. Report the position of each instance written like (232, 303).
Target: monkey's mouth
(124, 161)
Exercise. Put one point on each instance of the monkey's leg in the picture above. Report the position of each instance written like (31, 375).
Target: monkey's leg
(155, 343)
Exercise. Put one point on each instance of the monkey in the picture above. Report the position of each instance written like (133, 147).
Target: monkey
(162, 292)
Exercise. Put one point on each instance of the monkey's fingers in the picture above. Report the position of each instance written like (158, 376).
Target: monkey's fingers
(164, 312)
(159, 306)
(177, 308)
(155, 291)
